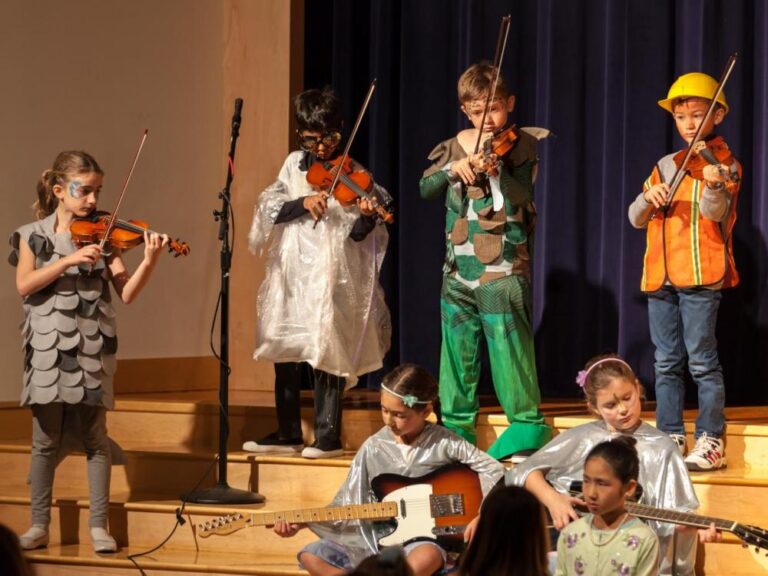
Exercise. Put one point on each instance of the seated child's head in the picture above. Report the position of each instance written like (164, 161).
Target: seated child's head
(688, 99)
(610, 476)
(475, 84)
(407, 396)
(613, 392)
(511, 537)
(319, 121)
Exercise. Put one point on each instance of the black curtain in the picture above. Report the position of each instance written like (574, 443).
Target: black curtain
(591, 72)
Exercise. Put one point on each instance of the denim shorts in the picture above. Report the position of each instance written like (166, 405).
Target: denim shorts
(336, 555)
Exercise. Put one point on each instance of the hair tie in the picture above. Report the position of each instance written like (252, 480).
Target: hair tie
(581, 377)
(408, 399)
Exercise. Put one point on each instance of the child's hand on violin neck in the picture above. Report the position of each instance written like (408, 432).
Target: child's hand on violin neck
(715, 174)
(154, 244)
(366, 207)
(88, 254)
(657, 195)
(316, 204)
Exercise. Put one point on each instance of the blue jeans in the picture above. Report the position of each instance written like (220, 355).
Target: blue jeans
(683, 324)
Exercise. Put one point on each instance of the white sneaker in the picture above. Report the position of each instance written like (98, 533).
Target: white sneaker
(273, 443)
(36, 537)
(102, 541)
(314, 452)
(707, 454)
(681, 442)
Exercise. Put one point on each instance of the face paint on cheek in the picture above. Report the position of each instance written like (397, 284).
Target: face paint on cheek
(75, 189)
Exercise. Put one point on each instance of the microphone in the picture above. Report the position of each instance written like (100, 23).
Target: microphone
(236, 117)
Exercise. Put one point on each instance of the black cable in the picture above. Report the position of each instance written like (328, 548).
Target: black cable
(179, 522)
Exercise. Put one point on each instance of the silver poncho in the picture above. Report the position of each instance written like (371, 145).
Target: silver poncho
(69, 326)
(381, 454)
(321, 301)
(663, 478)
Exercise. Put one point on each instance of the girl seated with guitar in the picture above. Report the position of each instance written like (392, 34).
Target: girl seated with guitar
(405, 450)
(614, 394)
(609, 540)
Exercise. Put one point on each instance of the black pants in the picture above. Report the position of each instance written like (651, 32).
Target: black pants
(329, 392)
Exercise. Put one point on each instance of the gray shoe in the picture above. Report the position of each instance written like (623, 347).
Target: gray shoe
(36, 537)
(102, 541)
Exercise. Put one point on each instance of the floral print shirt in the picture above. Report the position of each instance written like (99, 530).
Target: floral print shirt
(630, 550)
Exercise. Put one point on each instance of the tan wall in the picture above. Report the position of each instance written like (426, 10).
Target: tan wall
(94, 74)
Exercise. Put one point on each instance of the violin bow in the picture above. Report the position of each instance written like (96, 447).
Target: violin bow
(351, 138)
(677, 179)
(501, 45)
(113, 219)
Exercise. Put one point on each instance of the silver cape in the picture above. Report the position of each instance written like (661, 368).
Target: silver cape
(663, 477)
(320, 301)
(381, 454)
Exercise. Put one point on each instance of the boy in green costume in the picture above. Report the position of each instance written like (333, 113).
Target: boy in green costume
(486, 276)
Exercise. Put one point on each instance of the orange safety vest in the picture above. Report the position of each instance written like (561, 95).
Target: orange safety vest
(684, 248)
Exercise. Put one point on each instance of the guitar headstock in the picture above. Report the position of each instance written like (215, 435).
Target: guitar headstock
(223, 525)
(752, 536)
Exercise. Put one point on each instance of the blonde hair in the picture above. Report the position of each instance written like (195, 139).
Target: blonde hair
(67, 163)
(477, 82)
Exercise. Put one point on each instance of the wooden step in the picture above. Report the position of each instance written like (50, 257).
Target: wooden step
(80, 559)
(165, 471)
(145, 523)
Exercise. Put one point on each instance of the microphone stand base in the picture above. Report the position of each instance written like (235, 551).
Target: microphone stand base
(222, 493)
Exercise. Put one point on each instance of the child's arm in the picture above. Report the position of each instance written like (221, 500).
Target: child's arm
(128, 286)
(30, 279)
(560, 506)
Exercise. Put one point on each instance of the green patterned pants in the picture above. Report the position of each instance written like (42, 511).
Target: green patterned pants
(500, 312)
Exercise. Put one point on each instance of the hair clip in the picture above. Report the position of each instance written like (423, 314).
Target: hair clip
(581, 378)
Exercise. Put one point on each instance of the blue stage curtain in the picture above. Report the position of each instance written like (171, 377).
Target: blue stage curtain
(591, 72)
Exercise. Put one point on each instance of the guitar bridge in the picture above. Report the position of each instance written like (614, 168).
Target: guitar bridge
(442, 505)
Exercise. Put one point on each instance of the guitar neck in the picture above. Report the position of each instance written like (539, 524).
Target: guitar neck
(371, 511)
(674, 517)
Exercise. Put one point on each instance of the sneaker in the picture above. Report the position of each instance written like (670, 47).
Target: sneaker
(707, 454)
(102, 541)
(681, 442)
(36, 537)
(316, 451)
(273, 443)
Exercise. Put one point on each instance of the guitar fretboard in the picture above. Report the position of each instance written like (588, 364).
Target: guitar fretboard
(371, 511)
(695, 520)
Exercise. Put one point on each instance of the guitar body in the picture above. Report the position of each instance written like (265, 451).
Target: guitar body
(437, 505)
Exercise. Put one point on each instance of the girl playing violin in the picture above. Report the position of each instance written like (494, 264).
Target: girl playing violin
(320, 307)
(69, 335)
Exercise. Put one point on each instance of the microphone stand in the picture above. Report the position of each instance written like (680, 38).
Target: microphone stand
(222, 493)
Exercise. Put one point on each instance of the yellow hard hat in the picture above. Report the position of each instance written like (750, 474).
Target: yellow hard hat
(693, 85)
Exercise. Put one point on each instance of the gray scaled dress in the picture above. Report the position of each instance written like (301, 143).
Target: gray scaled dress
(69, 331)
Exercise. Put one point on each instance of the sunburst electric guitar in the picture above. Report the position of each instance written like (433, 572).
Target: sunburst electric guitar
(438, 505)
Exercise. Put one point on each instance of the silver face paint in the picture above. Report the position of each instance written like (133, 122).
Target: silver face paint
(75, 189)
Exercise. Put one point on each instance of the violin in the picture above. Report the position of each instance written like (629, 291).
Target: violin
(350, 184)
(713, 152)
(124, 234)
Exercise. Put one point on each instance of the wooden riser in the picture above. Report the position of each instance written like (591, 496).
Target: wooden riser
(80, 559)
(169, 475)
(142, 528)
